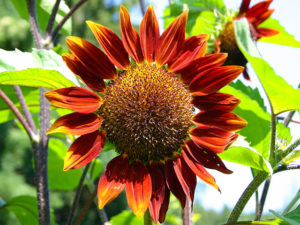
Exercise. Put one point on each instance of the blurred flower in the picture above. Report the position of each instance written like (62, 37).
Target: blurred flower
(146, 110)
(255, 15)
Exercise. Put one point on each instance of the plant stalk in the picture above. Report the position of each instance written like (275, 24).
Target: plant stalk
(52, 19)
(252, 187)
(263, 198)
(187, 213)
(78, 193)
(143, 6)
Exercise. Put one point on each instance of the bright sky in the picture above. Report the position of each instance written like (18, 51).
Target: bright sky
(285, 61)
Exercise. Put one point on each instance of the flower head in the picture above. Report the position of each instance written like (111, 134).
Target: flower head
(255, 15)
(147, 111)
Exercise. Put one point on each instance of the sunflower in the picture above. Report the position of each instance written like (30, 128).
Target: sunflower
(255, 15)
(147, 111)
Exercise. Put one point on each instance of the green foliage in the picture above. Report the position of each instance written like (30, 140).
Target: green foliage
(257, 131)
(283, 136)
(291, 218)
(247, 157)
(283, 38)
(282, 96)
(44, 9)
(126, 218)
(58, 179)
(25, 209)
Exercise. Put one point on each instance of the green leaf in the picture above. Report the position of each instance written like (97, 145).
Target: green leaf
(274, 222)
(40, 78)
(58, 179)
(247, 157)
(26, 210)
(126, 218)
(44, 9)
(283, 96)
(43, 59)
(283, 38)
(294, 215)
(31, 96)
(257, 131)
(290, 221)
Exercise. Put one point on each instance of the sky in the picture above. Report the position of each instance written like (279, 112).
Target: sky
(285, 61)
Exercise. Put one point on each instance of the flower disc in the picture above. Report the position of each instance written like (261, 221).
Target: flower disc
(147, 113)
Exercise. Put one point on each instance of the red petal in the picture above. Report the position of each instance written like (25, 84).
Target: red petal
(84, 149)
(186, 177)
(111, 44)
(138, 188)
(222, 119)
(171, 40)
(94, 60)
(262, 17)
(244, 6)
(204, 157)
(173, 183)
(113, 180)
(202, 64)
(96, 83)
(158, 191)
(213, 138)
(193, 47)
(198, 169)
(76, 124)
(258, 9)
(266, 32)
(149, 34)
(216, 101)
(75, 98)
(214, 79)
(164, 207)
(130, 37)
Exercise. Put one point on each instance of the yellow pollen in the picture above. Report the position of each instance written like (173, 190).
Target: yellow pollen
(147, 113)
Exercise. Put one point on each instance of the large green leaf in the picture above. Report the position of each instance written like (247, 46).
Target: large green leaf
(43, 59)
(126, 218)
(44, 9)
(283, 38)
(273, 222)
(285, 218)
(247, 157)
(26, 210)
(257, 131)
(58, 179)
(40, 78)
(283, 96)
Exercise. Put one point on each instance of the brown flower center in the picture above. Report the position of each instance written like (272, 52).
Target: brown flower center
(147, 113)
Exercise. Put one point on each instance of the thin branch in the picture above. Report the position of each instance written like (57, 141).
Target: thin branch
(143, 6)
(187, 213)
(19, 116)
(283, 118)
(286, 167)
(288, 119)
(78, 193)
(25, 109)
(263, 198)
(273, 140)
(34, 24)
(240, 205)
(86, 207)
(52, 19)
(66, 17)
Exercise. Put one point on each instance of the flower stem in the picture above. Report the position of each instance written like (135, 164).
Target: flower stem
(19, 116)
(288, 118)
(78, 193)
(86, 207)
(64, 20)
(25, 109)
(252, 187)
(263, 198)
(147, 218)
(143, 6)
(187, 213)
(52, 18)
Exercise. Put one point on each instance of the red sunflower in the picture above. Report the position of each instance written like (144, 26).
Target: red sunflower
(255, 16)
(146, 110)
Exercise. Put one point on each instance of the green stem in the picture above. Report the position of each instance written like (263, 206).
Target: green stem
(252, 187)
(273, 140)
(147, 218)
